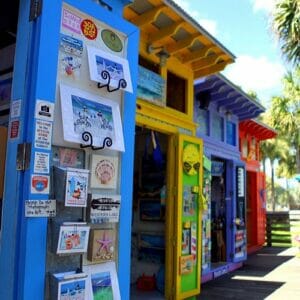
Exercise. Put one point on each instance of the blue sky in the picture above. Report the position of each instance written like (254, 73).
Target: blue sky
(243, 27)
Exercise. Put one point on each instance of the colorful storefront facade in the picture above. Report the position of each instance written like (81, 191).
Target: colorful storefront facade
(75, 107)
(219, 107)
(251, 133)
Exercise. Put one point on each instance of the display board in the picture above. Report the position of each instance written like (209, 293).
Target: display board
(189, 210)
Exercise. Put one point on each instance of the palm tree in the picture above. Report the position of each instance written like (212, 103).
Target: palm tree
(286, 25)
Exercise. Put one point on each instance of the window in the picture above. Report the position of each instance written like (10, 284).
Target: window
(244, 148)
(202, 121)
(217, 131)
(148, 65)
(176, 92)
(230, 133)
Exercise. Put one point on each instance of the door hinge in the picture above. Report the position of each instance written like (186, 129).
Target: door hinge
(35, 9)
(23, 156)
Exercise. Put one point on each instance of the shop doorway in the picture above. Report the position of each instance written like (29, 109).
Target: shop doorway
(218, 212)
(148, 253)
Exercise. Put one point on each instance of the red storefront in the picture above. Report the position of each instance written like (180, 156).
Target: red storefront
(251, 133)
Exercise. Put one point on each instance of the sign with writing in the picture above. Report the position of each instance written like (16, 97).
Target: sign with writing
(43, 134)
(151, 87)
(241, 182)
(40, 184)
(41, 162)
(40, 208)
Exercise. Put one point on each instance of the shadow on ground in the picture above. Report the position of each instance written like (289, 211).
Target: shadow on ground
(250, 281)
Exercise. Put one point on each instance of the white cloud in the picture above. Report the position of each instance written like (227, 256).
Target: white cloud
(264, 5)
(255, 74)
(207, 24)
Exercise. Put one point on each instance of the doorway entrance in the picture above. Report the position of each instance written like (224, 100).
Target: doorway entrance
(148, 253)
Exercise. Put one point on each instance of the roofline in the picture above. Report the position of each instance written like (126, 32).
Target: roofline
(264, 125)
(190, 19)
(231, 84)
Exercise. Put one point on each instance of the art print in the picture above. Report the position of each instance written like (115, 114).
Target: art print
(104, 171)
(70, 56)
(71, 21)
(73, 239)
(186, 241)
(116, 67)
(186, 264)
(75, 289)
(189, 202)
(85, 112)
(103, 281)
(76, 187)
(101, 245)
(105, 208)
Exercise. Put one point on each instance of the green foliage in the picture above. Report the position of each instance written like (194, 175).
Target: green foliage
(286, 25)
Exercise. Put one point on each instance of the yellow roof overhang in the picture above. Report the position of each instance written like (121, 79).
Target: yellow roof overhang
(164, 24)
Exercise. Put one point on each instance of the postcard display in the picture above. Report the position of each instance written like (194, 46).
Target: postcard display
(87, 138)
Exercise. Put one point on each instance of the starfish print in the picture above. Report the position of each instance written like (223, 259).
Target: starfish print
(104, 243)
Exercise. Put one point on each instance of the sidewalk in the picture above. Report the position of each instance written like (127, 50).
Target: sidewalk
(273, 273)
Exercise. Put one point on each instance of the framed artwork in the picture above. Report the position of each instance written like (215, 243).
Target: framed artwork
(189, 202)
(101, 245)
(5, 90)
(76, 187)
(151, 87)
(86, 112)
(186, 264)
(70, 286)
(73, 238)
(103, 281)
(105, 208)
(116, 66)
(104, 171)
(186, 241)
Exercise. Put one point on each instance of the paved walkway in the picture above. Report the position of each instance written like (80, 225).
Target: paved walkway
(272, 273)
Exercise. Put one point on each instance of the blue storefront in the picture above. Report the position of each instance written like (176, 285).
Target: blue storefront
(219, 106)
(59, 49)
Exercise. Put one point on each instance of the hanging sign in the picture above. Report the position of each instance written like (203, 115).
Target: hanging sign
(40, 208)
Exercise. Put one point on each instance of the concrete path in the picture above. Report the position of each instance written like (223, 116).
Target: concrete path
(272, 274)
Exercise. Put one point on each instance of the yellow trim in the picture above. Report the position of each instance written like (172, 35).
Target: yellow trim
(206, 61)
(172, 49)
(198, 54)
(212, 69)
(148, 17)
(178, 217)
(166, 32)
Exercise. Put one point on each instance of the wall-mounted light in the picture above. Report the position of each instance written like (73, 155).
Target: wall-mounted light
(160, 52)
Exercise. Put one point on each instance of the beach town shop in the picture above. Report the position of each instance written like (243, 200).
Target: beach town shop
(167, 198)
(81, 120)
(251, 133)
(219, 108)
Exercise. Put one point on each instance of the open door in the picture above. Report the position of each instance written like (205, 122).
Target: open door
(239, 214)
(188, 216)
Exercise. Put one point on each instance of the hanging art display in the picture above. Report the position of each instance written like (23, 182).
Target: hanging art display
(76, 187)
(105, 208)
(106, 68)
(83, 112)
(73, 238)
(189, 201)
(186, 264)
(101, 245)
(103, 281)
(104, 171)
(69, 286)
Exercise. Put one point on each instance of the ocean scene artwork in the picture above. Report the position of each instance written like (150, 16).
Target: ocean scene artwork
(102, 286)
(114, 69)
(151, 87)
(73, 290)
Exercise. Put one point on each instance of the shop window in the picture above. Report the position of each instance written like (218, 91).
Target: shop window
(202, 121)
(149, 65)
(244, 147)
(176, 92)
(230, 133)
(252, 150)
(217, 130)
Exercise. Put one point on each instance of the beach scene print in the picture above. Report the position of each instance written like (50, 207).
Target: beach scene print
(114, 69)
(102, 286)
(74, 290)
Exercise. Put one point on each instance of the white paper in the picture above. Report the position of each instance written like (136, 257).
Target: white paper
(116, 66)
(83, 111)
